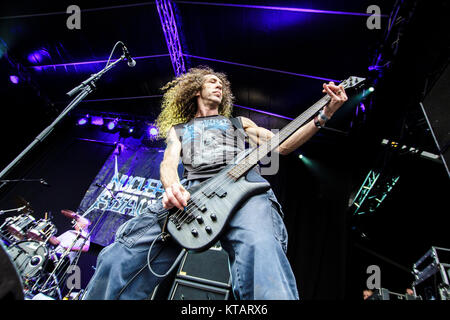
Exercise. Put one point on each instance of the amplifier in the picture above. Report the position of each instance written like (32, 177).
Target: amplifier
(203, 276)
(209, 267)
(190, 290)
(432, 275)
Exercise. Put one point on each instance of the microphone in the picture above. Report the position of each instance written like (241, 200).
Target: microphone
(131, 61)
(42, 181)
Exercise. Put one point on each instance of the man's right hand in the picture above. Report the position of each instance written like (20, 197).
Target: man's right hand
(175, 196)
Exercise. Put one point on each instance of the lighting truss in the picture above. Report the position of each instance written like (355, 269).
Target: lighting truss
(373, 192)
(169, 27)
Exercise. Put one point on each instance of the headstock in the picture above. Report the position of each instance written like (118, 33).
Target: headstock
(353, 82)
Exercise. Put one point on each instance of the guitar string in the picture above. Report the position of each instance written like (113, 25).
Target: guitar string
(186, 213)
(183, 215)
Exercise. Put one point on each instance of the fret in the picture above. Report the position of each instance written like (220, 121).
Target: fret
(256, 155)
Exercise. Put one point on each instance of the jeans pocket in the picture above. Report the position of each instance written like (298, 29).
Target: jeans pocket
(134, 229)
(275, 202)
(279, 228)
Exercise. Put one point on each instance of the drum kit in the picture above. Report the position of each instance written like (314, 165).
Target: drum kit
(32, 247)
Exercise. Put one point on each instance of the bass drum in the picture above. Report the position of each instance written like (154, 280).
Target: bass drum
(29, 257)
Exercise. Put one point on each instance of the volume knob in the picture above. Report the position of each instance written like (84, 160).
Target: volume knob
(208, 229)
(199, 219)
(194, 232)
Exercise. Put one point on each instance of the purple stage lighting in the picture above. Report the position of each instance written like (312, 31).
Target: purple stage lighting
(153, 131)
(362, 107)
(38, 56)
(14, 79)
(97, 121)
(82, 121)
(111, 125)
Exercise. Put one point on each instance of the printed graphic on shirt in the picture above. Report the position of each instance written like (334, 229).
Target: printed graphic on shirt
(208, 142)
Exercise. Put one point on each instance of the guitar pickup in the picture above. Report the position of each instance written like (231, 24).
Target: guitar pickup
(220, 192)
(190, 218)
(175, 222)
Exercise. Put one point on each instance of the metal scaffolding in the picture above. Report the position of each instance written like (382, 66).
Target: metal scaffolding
(171, 34)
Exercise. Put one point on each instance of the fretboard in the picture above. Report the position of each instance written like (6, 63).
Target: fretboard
(256, 155)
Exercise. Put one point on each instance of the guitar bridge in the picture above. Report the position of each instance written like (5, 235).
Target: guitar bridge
(178, 223)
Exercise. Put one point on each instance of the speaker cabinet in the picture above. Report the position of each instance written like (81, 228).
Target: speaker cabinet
(190, 290)
(203, 276)
(209, 267)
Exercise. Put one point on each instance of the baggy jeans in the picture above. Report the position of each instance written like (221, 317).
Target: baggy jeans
(255, 240)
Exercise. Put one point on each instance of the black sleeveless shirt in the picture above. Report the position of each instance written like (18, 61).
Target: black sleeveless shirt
(208, 145)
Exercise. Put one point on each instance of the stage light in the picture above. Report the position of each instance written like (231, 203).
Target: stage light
(82, 121)
(97, 121)
(112, 124)
(125, 130)
(38, 56)
(371, 89)
(14, 79)
(153, 131)
(362, 107)
(300, 156)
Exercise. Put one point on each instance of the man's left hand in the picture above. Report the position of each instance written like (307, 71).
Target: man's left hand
(337, 95)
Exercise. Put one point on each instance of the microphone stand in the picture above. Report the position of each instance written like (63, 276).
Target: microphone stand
(85, 88)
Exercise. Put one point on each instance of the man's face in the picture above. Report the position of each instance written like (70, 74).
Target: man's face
(366, 294)
(211, 90)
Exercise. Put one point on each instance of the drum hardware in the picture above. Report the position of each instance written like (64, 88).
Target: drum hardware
(20, 225)
(11, 210)
(32, 246)
(44, 229)
(64, 254)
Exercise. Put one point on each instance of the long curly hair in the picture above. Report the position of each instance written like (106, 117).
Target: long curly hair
(179, 102)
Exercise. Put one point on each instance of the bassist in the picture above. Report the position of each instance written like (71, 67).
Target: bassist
(195, 120)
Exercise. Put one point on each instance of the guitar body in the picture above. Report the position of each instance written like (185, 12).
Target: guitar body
(212, 204)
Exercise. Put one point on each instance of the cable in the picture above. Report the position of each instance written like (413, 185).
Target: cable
(178, 259)
(114, 48)
(134, 277)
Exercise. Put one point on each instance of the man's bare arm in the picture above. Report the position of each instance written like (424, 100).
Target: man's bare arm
(169, 165)
(175, 194)
(260, 135)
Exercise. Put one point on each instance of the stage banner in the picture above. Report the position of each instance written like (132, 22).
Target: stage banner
(126, 184)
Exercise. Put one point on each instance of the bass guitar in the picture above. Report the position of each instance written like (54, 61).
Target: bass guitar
(214, 201)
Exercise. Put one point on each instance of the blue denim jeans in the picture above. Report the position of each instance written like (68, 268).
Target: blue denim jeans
(255, 240)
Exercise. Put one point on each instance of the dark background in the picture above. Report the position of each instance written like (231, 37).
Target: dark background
(329, 248)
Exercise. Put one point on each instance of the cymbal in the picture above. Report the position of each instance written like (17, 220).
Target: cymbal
(21, 202)
(70, 214)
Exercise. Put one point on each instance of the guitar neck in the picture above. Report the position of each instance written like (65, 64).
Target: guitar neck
(256, 155)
